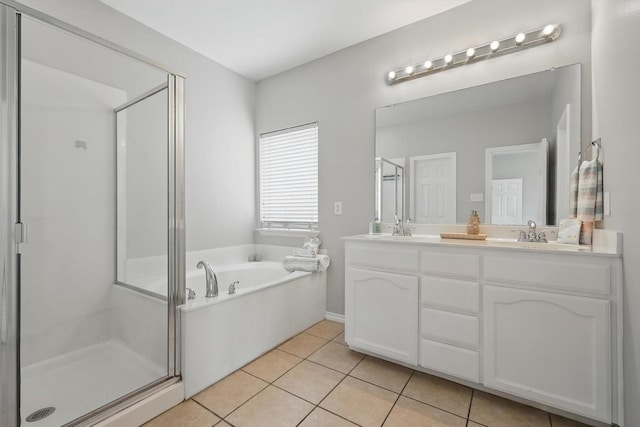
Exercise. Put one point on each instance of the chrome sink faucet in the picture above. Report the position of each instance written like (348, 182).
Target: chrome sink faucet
(212, 280)
(399, 228)
(531, 235)
(532, 231)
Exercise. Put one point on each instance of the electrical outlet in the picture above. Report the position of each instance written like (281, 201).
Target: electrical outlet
(337, 208)
(476, 197)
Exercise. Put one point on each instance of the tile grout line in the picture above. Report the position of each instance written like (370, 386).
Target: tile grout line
(473, 393)
(398, 397)
(200, 404)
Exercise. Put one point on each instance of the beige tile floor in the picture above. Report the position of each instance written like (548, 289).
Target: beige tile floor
(314, 380)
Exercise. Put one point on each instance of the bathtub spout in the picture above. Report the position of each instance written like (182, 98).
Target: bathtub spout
(212, 280)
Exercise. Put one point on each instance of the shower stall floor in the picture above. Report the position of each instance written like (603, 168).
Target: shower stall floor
(76, 383)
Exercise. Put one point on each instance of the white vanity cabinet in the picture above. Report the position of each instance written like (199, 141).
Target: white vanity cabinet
(542, 325)
(382, 305)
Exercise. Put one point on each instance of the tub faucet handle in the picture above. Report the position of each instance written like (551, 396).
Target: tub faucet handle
(232, 287)
(191, 294)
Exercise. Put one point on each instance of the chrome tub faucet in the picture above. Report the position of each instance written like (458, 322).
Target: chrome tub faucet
(212, 280)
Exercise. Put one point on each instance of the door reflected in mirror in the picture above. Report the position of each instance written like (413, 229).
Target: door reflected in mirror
(444, 142)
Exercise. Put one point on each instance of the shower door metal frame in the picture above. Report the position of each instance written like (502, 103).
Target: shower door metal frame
(10, 14)
(9, 217)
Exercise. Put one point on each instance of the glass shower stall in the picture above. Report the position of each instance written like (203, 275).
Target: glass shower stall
(92, 223)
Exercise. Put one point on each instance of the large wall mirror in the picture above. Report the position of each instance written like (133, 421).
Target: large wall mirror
(505, 149)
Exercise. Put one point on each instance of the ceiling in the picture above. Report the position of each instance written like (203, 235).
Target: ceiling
(260, 38)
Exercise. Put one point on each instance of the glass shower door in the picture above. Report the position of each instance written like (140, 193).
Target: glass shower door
(95, 193)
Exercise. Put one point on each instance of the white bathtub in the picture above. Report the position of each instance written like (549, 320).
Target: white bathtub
(221, 334)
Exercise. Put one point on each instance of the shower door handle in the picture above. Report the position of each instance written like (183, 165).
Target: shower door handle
(20, 235)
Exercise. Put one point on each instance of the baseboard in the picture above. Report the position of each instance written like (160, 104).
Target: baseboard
(335, 317)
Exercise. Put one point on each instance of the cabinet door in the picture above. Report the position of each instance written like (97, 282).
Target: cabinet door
(549, 348)
(381, 313)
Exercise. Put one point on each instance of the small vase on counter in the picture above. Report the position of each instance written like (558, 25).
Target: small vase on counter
(473, 225)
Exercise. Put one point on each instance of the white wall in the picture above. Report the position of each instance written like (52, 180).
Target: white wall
(342, 90)
(616, 107)
(67, 200)
(220, 208)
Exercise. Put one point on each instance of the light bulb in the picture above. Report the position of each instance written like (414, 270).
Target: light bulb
(494, 45)
(471, 52)
(520, 38)
(548, 30)
(428, 65)
(409, 70)
(391, 75)
(448, 59)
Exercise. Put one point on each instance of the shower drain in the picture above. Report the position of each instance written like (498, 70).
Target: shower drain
(40, 414)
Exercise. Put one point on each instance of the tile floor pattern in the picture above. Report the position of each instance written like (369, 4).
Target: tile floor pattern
(314, 380)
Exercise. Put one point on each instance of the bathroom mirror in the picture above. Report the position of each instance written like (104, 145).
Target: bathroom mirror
(503, 148)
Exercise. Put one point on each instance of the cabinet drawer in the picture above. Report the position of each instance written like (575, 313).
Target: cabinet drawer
(558, 273)
(449, 359)
(459, 265)
(451, 328)
(457, 295)
(383, 257)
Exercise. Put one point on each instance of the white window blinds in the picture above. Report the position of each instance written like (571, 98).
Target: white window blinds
(289, 178)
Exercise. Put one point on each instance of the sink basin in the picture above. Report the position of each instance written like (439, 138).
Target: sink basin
(552, 245)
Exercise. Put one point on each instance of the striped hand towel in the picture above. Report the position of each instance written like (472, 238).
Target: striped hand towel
(590, 207)
(573, 193)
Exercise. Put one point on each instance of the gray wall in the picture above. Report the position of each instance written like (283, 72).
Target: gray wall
(220, 206)
(616, 67)
(342, 90)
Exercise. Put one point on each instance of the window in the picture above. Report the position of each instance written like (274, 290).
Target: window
(289, 178)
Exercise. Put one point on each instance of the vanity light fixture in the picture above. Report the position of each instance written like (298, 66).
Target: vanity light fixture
(499, 47)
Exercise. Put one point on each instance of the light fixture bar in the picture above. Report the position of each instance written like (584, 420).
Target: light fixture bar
(493, 49)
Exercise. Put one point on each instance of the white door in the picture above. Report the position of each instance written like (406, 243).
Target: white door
(433, 188)
(550, 348)
(506, 201)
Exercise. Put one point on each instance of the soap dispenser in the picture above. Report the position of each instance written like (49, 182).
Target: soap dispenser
(473, 225)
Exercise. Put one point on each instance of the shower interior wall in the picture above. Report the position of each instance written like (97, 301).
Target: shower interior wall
(67, 197)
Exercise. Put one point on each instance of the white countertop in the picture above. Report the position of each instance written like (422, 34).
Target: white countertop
(492, 243)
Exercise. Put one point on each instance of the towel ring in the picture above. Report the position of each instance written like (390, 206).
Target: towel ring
(596, 144)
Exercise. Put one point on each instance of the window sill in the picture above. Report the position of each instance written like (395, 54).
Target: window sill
(287, 232)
